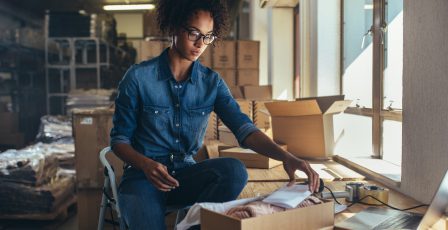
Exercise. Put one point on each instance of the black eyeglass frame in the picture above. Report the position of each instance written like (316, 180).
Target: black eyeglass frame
(195, 37)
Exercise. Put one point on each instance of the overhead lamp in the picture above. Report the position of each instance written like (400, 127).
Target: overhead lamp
(129, 7)
(368, 7)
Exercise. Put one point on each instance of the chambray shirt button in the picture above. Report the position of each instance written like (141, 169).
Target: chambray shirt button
(156, 112)
(177, 125)
(177, 141)
(203, 113)
(177, 105)
(180, 86)
(175, 86)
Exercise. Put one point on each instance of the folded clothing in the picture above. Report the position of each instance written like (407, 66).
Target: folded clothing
(260, 208)
(253, 209)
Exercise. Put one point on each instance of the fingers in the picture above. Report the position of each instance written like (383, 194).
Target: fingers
(161, 179)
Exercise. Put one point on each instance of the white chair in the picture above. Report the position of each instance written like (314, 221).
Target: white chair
(111, 201)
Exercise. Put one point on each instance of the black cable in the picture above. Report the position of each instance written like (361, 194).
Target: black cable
(405, 209)
(334, 197)
(359, 201)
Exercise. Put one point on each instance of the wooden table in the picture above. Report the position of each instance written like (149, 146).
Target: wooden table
(327, 170)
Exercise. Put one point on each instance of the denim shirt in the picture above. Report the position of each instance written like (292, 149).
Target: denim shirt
(158, 116)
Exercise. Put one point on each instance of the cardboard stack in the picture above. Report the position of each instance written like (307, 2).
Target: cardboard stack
(147, 50)
(250, 158)
(224, 56)
(91, 130)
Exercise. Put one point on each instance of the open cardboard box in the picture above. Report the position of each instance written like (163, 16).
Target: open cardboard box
(306, 125)
(320, 216)
(250, 158)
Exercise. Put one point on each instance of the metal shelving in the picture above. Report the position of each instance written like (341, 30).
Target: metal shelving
(65, 59)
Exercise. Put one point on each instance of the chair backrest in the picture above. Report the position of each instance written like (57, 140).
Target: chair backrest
(111, 176)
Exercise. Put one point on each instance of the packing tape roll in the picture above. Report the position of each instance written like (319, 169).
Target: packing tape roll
(378, 192)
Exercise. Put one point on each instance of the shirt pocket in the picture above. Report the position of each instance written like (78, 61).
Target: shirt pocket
(198, 117)
(156, 117)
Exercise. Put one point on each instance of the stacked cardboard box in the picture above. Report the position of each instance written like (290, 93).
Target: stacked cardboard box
(91, 129)
(224, 58)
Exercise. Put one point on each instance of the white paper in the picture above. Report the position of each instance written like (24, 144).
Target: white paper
(288, 197)
(339, 208)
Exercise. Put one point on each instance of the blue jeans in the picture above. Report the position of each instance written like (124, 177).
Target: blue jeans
(215, 180)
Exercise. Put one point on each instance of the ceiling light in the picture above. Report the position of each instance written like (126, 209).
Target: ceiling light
(129, 7)
(368, 7)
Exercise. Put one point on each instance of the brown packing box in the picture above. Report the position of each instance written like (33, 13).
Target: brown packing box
(206, 57)
(211, 132)
(229, 76)
(88, 209)
(306, 126)
(320, 216)
(262, 118)
(226, 136)
(150, 26)
(250, 158)
(247, 77)
(152, 49)
(91, 130)
(236, 92)
(263, 92)
(224, 55)
(248, 54)
(9, 122)
(246, 108)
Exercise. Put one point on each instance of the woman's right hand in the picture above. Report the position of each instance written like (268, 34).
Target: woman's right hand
(158, 175)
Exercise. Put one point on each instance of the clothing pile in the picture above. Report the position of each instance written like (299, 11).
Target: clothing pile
(260, 208)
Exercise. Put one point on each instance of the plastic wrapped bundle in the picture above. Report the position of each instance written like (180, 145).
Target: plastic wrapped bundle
(16, 198)
(27, 166)
(54, 128)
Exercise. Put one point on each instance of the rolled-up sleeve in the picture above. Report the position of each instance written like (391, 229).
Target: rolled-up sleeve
(230, 113)
(126, 108)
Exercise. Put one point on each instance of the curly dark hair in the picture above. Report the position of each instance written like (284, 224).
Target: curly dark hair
(173, 14)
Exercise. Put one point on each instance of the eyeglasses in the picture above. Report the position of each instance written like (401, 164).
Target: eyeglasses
(194, 35)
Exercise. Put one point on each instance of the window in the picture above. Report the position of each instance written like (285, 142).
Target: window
(372, 61)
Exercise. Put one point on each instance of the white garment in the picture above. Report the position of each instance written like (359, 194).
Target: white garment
(193, 216)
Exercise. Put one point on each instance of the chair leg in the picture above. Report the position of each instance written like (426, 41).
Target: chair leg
(103, 205)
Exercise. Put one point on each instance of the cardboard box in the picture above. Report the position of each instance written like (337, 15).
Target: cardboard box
(211, 132)
(247, 77)
(224, 55)
(226, 136)
(9, 122)
(150, 25)
(314, 217)
(245, 107)
(88, 209)
(306, 126)
(250, 158)
(236, 92)
(229, 76)
(262, 117)
(248, 54)
(206, 57)
(257, 92)
(91, 132)
(152, 49)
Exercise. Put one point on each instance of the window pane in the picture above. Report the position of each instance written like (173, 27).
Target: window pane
(393, 66)
(357, 76)
(392, 141)
(353, 134)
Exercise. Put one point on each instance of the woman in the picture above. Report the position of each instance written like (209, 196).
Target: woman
(162, 110)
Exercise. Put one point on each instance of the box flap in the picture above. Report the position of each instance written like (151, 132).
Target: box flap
(293, 108)
(338, 106)
(324, 102)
